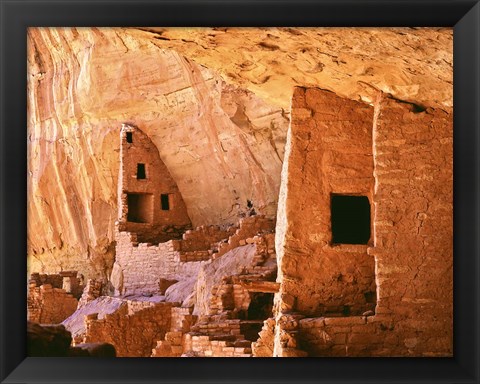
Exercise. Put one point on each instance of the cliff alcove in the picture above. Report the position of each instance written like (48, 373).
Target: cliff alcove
(189, 186)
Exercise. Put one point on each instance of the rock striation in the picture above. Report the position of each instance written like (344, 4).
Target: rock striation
(175, 169)
(412, 64)
(214, 101)
(218, 141)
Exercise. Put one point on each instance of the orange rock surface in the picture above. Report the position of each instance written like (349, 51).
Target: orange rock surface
(214, 101)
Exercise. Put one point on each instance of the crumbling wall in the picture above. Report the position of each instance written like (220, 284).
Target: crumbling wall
(225, 289)
(182, 319)
(92, 290)
(204, 346)
(47, 300)
(263, 347)
(172, 346)
(204, 237)
(329, 151)
(133, 329)
(215, 288)
(248, 228)
(48, 305)
(141, 268)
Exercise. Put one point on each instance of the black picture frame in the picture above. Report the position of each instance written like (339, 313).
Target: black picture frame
(16, 16)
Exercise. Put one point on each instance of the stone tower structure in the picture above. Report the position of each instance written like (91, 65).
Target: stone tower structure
(149, 201)
(364, 233)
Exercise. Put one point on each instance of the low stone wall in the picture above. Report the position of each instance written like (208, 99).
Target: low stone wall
(367, 336)
(218, 328)
(203, 346)
(172, 346)
(139, 267)
(133, 329)
(248, 228)
(204, 237)
(47, 304)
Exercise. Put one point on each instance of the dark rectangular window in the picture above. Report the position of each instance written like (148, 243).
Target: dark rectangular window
(164, 198)
(129, 137)
(350, 219)
(140, 207)
(141, 171)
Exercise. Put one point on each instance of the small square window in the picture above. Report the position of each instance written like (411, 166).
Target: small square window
(350, 219)
(129, 137)
(141, 171)
(165, 202)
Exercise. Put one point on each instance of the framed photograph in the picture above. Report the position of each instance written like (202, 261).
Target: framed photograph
(236, 180)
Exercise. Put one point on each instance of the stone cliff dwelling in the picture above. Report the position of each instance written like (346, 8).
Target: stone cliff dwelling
(315, 223)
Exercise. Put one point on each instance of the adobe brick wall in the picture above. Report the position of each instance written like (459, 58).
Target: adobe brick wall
(329, 150)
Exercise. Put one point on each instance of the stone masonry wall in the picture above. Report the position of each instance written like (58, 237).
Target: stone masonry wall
(141, 267)
(133, 329)
(204, 346)
(48, 305)
(413, 229)
(53, 297)
(329, 151)
(248, 228)
(412, 246)
(157, 181)
(348, 336)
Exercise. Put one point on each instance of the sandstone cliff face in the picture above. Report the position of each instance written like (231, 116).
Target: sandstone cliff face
(413, 64)
(222, 145)
(215, 102)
